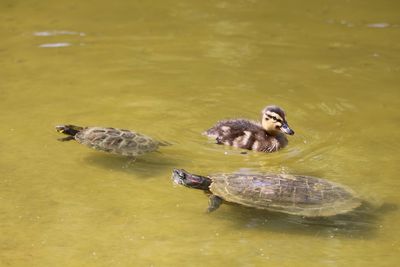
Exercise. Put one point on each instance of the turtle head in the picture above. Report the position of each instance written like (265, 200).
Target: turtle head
(68, 129)
(185, 178)
(274, 121)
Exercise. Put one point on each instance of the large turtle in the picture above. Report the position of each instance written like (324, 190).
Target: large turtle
(113, 140)
(293, 194)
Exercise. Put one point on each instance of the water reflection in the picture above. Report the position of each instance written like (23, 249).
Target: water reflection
(364, 222)
(51, 45)
(57, 32)
(52, 35)
(378, 25)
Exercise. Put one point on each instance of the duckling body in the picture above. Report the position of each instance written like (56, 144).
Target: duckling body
(246, 134)
(267, 136)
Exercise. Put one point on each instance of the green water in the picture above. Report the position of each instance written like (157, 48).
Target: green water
(171, 69)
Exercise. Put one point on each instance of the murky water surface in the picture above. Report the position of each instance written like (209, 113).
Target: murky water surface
(170, 69)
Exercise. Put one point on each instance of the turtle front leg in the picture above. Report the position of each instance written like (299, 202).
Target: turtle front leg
(68, 138)
(219, 140)
(131, 160)
(213, 203)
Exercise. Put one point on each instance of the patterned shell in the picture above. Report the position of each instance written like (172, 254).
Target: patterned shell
(293, 194)
(117, 141)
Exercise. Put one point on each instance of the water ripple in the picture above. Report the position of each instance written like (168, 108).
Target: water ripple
(52, 45)
(57, 33)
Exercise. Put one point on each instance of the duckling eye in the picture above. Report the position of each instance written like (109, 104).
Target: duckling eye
(274, 118)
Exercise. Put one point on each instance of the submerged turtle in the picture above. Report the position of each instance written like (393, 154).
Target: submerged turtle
(293, 194)
(113, 140)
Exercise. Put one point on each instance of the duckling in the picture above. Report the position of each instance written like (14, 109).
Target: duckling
(269, 136)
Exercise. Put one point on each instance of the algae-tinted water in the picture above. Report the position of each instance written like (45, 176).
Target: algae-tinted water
(170, 69)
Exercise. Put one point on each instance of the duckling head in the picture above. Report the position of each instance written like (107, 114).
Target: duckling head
(274, 121)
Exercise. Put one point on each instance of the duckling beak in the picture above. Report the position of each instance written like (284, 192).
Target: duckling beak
(286, 129)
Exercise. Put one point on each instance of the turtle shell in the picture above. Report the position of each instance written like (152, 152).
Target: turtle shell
(293, 194)
(117, 141)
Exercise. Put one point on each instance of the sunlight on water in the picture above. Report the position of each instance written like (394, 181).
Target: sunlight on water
(170, 70)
